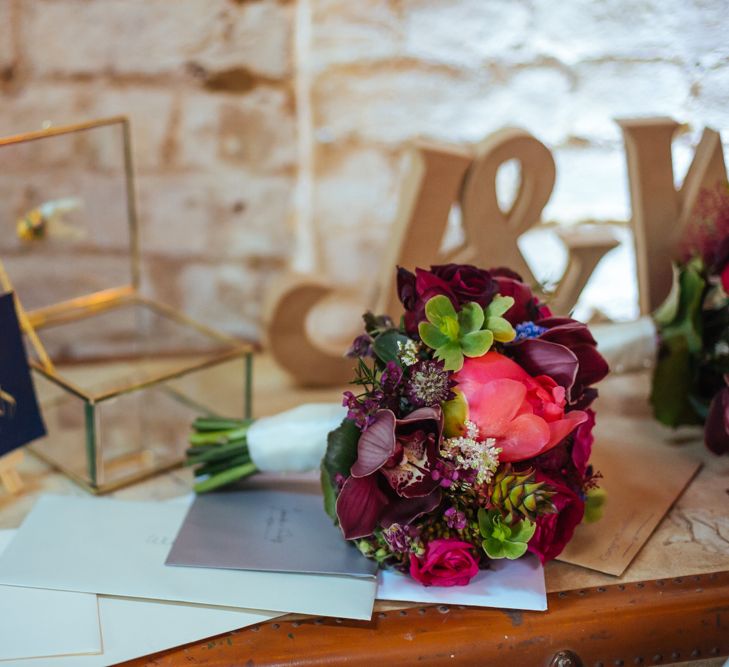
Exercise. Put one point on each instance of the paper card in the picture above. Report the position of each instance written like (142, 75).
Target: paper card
(642, 477)
(132, 628)
(20, 418)
(268, 530)
(37, 623)
(114, 547)
(509, 584)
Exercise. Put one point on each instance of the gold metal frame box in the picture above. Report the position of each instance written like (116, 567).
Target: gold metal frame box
(119, 376)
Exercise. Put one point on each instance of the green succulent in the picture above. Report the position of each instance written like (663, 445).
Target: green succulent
(454, 335)
(500, 327)
(518, 493)
(501, 538)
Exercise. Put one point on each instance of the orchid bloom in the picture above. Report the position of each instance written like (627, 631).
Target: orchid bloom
(391, 479)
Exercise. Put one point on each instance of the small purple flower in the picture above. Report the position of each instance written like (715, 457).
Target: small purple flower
(455, 518)
(429, 384)
(362, 412)
(528, 330)
(399, 537)
(391, 378)
(447, 474)
(361, 347)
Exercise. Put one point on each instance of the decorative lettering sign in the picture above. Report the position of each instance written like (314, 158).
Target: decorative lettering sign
(441, 176)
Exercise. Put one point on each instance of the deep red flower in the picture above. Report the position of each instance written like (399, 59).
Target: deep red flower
(555, 530)
(716, 430)
(445, 563)
(391, 479)
(527, 307)
(461, 283)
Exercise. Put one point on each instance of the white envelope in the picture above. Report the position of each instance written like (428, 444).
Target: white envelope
(36, 623)
(132, 628)
(509, 584)
(113, 547)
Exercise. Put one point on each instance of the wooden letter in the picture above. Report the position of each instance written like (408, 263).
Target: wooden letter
(660, 212)
(287, 311)
(429, 191)
(491, 232)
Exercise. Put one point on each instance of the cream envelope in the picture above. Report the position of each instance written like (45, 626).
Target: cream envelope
(132, 628)
(509, 584)
(119, 548)
(37, 623)
(642, 477)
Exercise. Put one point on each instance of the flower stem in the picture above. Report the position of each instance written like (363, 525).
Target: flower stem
(226, 477)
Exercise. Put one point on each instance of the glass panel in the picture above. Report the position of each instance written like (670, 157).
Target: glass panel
(124, 346)
(147, 430)
(64, 415)
(64, 220)
(138, 433)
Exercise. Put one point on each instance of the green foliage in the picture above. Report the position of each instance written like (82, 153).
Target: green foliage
(330, 495)
(594, 505)
(340, 455)
(341, 449)
(504, 539)
(385, 346)
(681, 331)
(454, 335)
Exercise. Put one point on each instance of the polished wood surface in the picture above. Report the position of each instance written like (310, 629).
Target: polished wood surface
(648, 623)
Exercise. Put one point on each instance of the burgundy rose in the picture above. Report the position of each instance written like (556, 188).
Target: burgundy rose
(445, 563)
(567, 352)
(527, 307)
(391, 480)
(555, 530)
(461, 283)
(721, 263)
(716, 431)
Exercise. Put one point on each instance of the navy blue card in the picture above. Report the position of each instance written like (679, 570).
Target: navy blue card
(20, 417)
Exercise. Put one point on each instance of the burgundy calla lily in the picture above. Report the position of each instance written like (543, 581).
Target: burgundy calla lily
(567, 352)
(391, 479)
(716, 431)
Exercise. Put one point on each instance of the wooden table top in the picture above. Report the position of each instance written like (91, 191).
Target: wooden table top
(672, 604)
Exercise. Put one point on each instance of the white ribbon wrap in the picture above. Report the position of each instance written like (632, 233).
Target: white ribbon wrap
(294, 440)
(627, 346)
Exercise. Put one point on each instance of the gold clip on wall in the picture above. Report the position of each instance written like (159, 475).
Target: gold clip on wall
(125, 374)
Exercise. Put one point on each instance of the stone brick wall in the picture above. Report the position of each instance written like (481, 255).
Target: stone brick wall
(220, 93)
(208, 87)
(387, 71)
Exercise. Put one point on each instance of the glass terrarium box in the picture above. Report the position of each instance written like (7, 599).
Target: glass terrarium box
(119, 376)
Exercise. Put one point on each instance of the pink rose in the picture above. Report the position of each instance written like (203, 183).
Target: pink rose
(524, 414)
(445, 563)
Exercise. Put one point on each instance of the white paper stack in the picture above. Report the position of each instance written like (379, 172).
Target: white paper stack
(84, 583)
(74, 551)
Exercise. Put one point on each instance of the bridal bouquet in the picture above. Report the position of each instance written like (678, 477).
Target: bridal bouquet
(469, 437)
(691, 378)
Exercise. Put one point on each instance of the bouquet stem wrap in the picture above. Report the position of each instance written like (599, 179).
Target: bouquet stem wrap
(229, 450)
